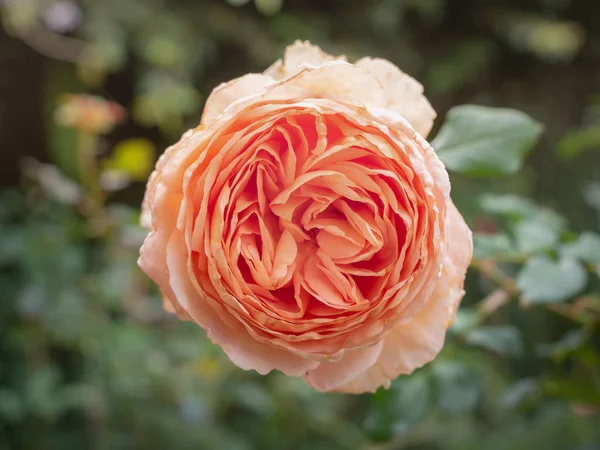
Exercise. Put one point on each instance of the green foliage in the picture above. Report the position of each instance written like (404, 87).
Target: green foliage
(484, 141)
(577, 141)
(502, 339)
(543, 280)
(458, 387)
(585, 248)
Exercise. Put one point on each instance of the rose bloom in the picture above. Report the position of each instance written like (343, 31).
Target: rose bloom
(306, 224)
(89, 113)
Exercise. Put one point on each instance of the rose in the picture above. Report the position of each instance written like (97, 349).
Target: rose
(307, 225)
(89, 113)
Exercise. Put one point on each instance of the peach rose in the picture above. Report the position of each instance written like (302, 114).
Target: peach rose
(306, 224)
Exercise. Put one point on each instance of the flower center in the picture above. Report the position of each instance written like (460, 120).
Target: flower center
(316, 217)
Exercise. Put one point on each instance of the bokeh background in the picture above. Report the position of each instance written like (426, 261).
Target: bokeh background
(88, 357)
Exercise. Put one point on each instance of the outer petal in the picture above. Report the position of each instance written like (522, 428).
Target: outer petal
(404, 94)
(226, 93)
(411, 345)
(460, 251)
(331, 375)
(297, 55)
(337, 81)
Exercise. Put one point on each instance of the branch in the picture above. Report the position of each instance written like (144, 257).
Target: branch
(52, 44)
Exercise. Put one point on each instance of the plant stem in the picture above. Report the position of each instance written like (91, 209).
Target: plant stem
(88, 167)
(489, 269)
(90, 181)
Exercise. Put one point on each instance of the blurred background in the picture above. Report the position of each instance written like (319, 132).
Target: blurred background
(92, 91)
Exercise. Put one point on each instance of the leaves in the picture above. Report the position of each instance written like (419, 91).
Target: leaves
(543, 280)
(585, 248)
(510, 205)
(502, 339)
(488, 245)
(571, 341)
(268, 7)
(484, 141)
(459, 388)
(577, 141)
(535, 235)
(519, 392)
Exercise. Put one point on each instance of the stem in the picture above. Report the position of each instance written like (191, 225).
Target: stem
(489, 268)
(90, 180)
(492, 272)
(96, 414)
(88, 167)
(53, 44)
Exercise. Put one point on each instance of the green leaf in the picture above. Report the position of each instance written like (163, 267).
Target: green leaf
(585, 248)
(521, 391)
(535, 235)
(459, 388)
(411, 397)
(489, 245)
(551, 219)
(591, 194)
(575, 142)
(543, 280)
(483, 141)
(508, 205)
(571, 341)
(268, 7)
(502, 339)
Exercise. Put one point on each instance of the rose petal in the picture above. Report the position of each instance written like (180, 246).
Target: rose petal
(405, 348)
(337, 80)
(411, 345)
(460, 251)
(298, 55)
(404, 94)
(331, 375)
(227, 93)
(244, 351)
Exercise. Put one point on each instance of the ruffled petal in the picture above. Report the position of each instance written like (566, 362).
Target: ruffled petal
(406, 347)
(404, 94)
(227, 93)
(296, 56)
(224, 330)
(329, 376)
(460, 252)
(413, 344)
